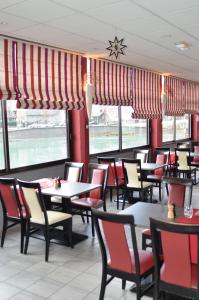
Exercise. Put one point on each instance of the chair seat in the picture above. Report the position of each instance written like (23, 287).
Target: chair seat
(154, 177)
(186, 168)
(88, 202)
(58, 199)
(192, 284)
(146, 261)
(53, 217)
(139, 186)
(146, 231)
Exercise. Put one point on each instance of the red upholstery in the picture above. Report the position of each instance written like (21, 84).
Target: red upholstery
(160, 159)
(177, 194)
(97, 178)
(121, 257)
(146, 231)
(88, 202)
(172, 158)
(9, 200)
(177, 268)
(196, 158)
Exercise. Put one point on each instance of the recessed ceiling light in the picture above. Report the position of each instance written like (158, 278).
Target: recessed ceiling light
(3, 23)
(182, 45)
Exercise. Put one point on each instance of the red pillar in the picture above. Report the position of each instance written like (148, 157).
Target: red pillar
(155, 134)
(194, 128)
(79, 142)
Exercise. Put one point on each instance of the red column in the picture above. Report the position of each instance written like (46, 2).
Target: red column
(195, 128)
(155, 134)
(79, 141)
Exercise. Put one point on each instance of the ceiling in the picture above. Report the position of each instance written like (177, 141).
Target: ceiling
(150, 29)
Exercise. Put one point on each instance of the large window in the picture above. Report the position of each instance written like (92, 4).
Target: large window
(34, 136)
(134, 132)
(2, 161)
(175, 128)
(104, 129)
(112, 128)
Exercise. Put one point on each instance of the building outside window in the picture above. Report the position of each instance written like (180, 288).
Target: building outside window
(2, 161)
(112, 128)
(35, 136)
(175, 128)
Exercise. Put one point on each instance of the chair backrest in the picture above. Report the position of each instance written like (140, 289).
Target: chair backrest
(173, 244)
(196, 150)
(183, 157)
(33, 201)
(98, 174)
(142, 154)
(112, 170)
(131, 169)
(180, 191)
(9, 197)
(73, 171)
(115, 249)
(161, 158)
(183, 145)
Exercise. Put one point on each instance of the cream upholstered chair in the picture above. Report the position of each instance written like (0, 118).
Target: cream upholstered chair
(183, 164)
(39, 217)
(133, 182)
(72, 173)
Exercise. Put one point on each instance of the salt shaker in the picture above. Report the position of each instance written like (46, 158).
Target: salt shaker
(170, 211)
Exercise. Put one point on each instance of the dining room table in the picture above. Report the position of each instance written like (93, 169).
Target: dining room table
(66, 191)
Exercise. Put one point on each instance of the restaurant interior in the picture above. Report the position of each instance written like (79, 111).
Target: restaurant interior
(99, 149)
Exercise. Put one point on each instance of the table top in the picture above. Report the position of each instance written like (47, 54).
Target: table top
(152, 166)
(142, 212)
(70, 189)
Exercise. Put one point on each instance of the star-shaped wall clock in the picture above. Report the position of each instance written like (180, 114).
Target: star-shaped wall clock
(116, 47)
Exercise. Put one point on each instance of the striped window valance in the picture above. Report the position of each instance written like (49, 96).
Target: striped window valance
(111, 83)
(40, 77)
(174, 90)
(191, 97)
(146, 93)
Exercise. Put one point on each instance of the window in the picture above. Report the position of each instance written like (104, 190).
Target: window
(182, 127)
(35, 136)
(104, 129)
(176, 128)
(134, 132)
(106, 134)
(2, 161)
(168, 129)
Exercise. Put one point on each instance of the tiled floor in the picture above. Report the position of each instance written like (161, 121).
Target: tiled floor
(70, 274)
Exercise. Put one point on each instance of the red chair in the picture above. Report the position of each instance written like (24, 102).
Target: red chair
(156, 178)
(118, 258)
(177, 196)
(176, 275)
(195, 161)
(13, 210)
(113, 182)
(83, 206)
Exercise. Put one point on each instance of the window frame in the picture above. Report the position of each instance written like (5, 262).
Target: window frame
(7, 169)
(119, 150)
(174, 133)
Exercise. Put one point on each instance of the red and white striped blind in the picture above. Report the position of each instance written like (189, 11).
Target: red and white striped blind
(112, 83)
(191, 94)
(40, 77)
(146, 93)
(174, 90)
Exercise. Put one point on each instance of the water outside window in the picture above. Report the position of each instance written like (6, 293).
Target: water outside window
(35, 136)
(134, 132)
(168, 129)
(182, 127)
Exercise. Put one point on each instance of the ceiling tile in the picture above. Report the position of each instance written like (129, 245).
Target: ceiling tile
(7, 3)
(38, 10)
(84, 5)
(13, 23)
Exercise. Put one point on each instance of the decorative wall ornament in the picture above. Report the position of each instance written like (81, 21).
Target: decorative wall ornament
(116, 47)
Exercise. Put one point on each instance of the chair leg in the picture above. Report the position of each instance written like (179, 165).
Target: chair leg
(143, 242)
(67, 227)
(27, 236)
(23, 228)
(117, 191)
(87, 217)
(4, 230)
(103, 285)
(82, 216)
(124, 198)
(92, 225)
(160, 192)
(123, 284)
(111, 195)
(151, 194)
(47, 238)
(138, 290)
